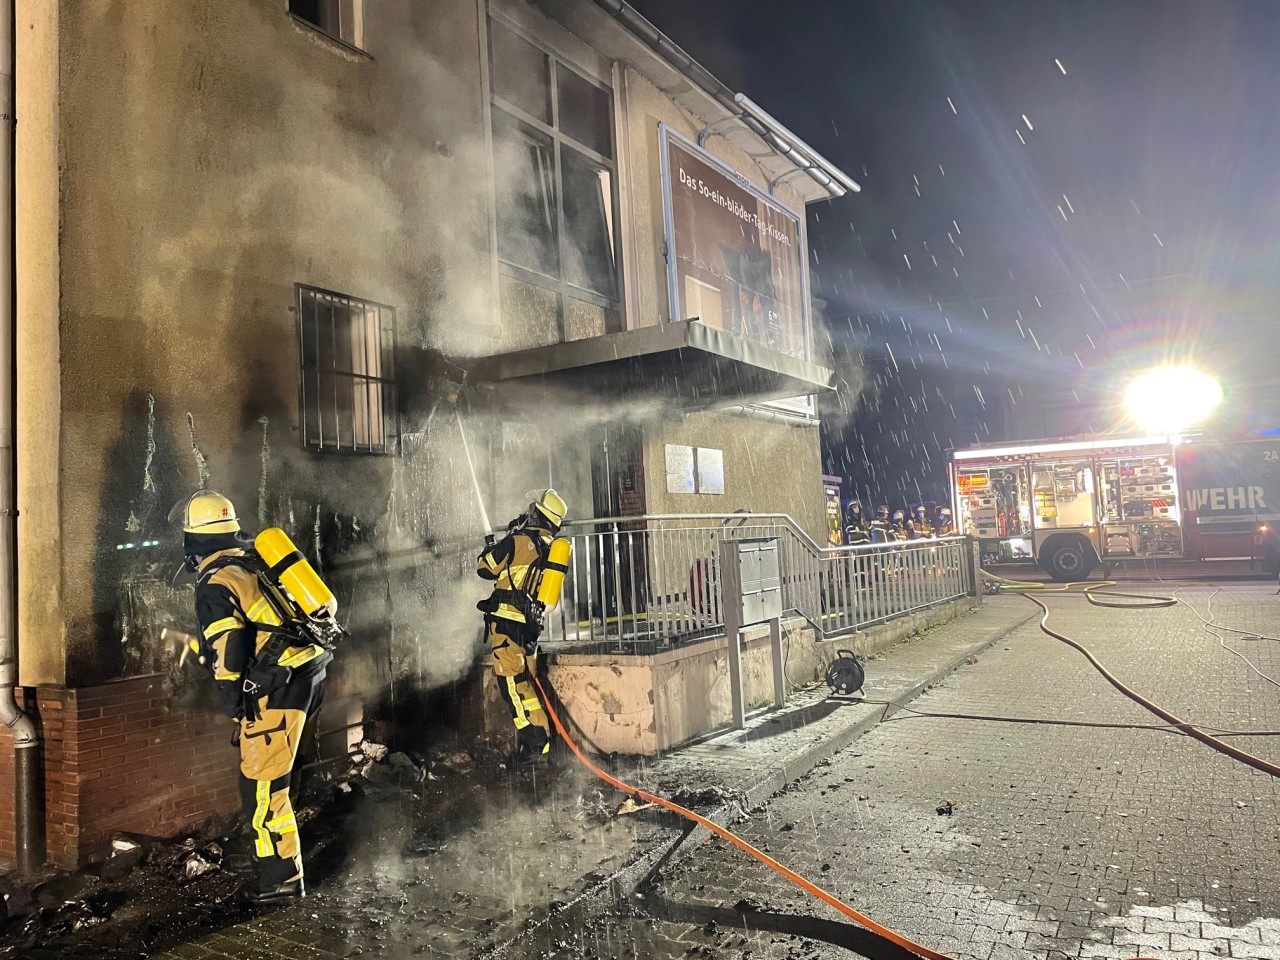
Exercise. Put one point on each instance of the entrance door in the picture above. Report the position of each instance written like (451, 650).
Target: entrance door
(618, 561)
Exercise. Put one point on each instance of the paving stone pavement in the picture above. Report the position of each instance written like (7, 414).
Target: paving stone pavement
(1061, 841)
(482, 889)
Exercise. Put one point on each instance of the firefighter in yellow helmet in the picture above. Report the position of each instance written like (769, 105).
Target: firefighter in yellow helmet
(271, 701)
(946, 528)
(921, 528)
(513, 618)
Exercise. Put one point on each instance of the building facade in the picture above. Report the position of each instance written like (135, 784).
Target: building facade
(247, 234)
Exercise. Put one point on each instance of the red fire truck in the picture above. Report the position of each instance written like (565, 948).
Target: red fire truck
(1072, 504)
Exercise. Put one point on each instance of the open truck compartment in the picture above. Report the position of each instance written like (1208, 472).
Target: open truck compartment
(1069, 504)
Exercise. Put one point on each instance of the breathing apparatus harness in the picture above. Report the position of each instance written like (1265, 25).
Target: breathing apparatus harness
(550, 566)
(298, 627)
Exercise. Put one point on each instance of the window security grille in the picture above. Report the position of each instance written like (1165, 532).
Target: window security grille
(348, 392)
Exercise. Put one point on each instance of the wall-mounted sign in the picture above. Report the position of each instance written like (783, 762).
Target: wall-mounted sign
(735, 255)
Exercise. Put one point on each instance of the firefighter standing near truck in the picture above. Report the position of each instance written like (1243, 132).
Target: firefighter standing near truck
(945, 528)
(881, 526)
(901, 527)
(268, 670)
(528, 567)
(856, 529)
(921, 528)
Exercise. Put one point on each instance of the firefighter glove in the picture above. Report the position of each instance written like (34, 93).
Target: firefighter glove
(265, 679)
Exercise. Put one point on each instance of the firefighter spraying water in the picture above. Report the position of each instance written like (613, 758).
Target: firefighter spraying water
(475, 480)
(527, 566)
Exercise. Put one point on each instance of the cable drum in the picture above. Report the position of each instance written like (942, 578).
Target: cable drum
(845, 676)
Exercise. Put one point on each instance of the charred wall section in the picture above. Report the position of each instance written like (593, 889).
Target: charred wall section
(209, 161)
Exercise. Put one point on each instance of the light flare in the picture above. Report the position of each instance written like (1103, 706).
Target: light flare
(1168, 399)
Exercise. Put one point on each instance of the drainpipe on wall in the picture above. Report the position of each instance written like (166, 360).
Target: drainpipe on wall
(27, 807)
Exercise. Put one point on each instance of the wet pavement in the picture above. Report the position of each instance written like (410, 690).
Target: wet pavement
(978, 838)
(467, 861)
(998, 840)
(395, 867)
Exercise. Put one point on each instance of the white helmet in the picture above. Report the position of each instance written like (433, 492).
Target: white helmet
(205, 511)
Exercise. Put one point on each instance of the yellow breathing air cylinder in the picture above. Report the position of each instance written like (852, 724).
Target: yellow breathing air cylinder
(553, 572)
(288, 567)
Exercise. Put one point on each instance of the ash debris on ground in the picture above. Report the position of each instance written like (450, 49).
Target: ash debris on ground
(148, 893)
(389, 836)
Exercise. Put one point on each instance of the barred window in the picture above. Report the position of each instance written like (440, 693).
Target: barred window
(348, 373)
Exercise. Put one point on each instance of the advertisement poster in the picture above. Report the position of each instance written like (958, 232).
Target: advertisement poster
(736, 254)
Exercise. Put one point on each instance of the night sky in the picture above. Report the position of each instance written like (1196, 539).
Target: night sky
(1055, 196)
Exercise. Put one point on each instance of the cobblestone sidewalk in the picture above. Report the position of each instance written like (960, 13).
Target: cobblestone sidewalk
(991, 840)
(542, 866)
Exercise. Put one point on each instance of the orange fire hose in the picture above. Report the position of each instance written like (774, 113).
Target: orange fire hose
(906, 943)
(812, 888)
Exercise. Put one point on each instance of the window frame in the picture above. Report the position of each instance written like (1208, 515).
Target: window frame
(695, 462)
(559, 285)
(389, 384)
(355, 46)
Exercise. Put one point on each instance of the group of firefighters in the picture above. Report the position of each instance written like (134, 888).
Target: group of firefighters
(916, 525)
(267, 627)
(267, 630)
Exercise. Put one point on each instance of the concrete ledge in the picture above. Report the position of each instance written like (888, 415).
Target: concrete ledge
(800, 764)
(877, 639)
(647, 704)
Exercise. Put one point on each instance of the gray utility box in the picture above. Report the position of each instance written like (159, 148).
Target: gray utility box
(760, 573)
(751, 579)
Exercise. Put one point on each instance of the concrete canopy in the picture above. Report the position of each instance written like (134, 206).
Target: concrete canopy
(686, 364)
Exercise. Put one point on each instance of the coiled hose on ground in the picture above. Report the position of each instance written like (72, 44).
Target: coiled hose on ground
(1093, 592)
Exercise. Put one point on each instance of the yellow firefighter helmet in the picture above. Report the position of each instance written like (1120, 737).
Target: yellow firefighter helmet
(206, 511)
(552, 506)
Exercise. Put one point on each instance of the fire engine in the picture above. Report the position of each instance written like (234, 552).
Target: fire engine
(1073, 504)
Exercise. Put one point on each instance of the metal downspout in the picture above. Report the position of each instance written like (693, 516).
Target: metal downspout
(27, 807)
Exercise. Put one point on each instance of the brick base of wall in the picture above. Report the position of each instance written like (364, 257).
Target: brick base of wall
(129, 757)
(126, 756)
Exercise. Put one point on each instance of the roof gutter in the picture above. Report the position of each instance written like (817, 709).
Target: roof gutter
(777, 137)
(772, 416)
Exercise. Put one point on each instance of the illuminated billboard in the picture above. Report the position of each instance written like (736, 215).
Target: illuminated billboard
(735, 255)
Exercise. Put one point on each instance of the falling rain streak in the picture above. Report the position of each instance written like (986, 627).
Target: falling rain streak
(900, 305)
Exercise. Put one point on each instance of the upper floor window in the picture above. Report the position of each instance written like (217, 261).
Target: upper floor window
(348, 373)
(556, 186)
(340, 19)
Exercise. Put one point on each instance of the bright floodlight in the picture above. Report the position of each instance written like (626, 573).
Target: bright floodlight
(1168, 399)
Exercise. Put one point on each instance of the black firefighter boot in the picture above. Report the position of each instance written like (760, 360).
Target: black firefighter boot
(271, 885)
(533, 748)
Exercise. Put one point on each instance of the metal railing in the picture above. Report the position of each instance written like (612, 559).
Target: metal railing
(654, 581)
